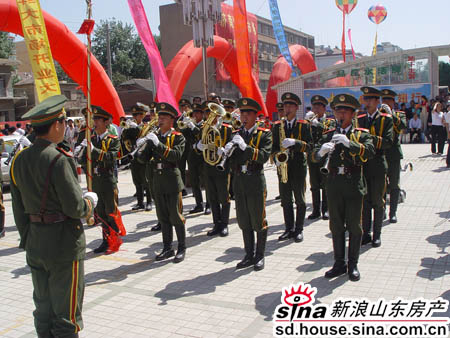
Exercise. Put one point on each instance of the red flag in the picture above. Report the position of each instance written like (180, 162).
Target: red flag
(343, 36)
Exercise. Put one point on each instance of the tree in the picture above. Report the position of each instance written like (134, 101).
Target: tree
(6, 45)
(444, 74)
(128, 56)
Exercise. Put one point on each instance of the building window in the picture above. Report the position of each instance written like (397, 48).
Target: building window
(275, 50)
(260, 28)
(261, 66)
(68, 94)
(2, 87)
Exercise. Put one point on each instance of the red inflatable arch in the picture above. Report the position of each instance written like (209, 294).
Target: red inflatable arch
(71, 54)
(281, 72)
(188, 58)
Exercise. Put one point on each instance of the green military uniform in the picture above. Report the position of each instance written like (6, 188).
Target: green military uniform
(217, 187)
(316, 178)
(300, 131)
(346, 187)
(138, 169)
(167, 183)
(249, 186)
(195, 160)
(48, 205)
(394, 155)
(104, 155)
(187, 149)
(380, 127)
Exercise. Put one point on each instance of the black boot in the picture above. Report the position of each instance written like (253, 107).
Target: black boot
(300, 220)
(207, 209)
(249, 246)
(225, 217)
(181, 237)
(166, 253)
(377, 223)
(103, 247)
(393, 206)
(261, 239)
(325, 215)
(339, 267)
(288, 212)
(148, 205)
(157, 227)
(215, 208)
(2, 223)
(354, 245)
(167, 236)
(197, 192)
(140, 198)
(316, 204)
(366, 223)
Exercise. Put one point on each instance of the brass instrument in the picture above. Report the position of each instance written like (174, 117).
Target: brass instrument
(282, 156)
(185, 118)
(123, 124)
(211, 133)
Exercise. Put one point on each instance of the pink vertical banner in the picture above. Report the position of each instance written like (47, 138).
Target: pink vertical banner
(163, 90)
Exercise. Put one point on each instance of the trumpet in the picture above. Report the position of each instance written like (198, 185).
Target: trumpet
(184, 119)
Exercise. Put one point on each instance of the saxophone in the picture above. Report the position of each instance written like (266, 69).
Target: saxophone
(282, 156)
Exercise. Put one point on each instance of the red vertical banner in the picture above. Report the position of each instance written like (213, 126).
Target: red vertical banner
(225, 29)
(242, 47)
(344, 52)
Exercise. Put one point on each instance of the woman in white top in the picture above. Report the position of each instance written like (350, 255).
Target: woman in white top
(437, 129)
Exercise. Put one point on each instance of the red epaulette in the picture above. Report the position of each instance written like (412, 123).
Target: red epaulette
(67, 153)
(235, 131)
(263, 129)
(303, 121)
(176, 132)
(329, 131)
(112, 136)
(277, 122)
(226, 125)
(330, 119)
(363, 129)
(384, 114)
(362, 115)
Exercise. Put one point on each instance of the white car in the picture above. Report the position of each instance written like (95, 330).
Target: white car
(11, 144)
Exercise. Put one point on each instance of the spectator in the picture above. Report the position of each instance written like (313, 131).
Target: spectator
(13, 131)
(6, 130)
(415, 128)
(71, 134)
(437, 129)
(111, 127)
(424, 115)
(447, 125)
(19, 129)
(28, 129)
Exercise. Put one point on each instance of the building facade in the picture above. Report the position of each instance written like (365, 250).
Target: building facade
(8, 98)
(174, 35)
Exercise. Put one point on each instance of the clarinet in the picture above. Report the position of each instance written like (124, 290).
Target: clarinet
(325, 168)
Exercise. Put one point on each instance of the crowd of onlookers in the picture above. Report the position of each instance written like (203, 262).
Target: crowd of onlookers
(15, 130)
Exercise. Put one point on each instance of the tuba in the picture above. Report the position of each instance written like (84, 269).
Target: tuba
(210, 134)
(282, 156)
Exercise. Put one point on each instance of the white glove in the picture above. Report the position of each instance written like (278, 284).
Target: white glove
(132, 124)
(288, 142)
(91, 196)
(325, 149)
(140, 141)
(220, 151)
(84, 143)
(77, 150)
(191, 125)
(238, 140)
(200, 146)
(152, 137)
(386, 108)
(24, 141)
(315, 123)
(228, 147)
(341, 139)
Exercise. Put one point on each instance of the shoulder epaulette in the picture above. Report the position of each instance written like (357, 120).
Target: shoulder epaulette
(302, 121)
(226, 125)
(362, 115)
(384, 114)
(329, 131)
(330, 119)
(112, 136)
(263, 129)
(235, 131)
(64, 152)
(277, 122)
(176, 132)
(362, 129)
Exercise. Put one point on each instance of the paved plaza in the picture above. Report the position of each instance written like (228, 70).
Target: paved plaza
(128, 294)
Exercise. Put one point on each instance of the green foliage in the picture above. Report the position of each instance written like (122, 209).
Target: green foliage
(128, 56)
(444, 74)
(6, 45)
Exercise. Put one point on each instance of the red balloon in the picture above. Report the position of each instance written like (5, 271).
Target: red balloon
(188, 58)
(281, 72)
(71, 54)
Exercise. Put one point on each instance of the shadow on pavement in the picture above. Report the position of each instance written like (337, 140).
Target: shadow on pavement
(434, 268)
(318, 259)
(25, 270)
(442, 241)
(200, 285)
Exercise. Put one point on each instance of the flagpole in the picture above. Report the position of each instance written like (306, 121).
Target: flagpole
(89, 111)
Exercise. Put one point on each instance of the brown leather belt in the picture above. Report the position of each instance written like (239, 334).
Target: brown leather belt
(48, 218)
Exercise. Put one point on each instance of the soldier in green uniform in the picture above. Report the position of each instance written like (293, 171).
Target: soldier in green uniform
(347, 148)
(185, 106)
(296, 144)
(380, 127)
(104, 155)
(394, 154)
(217, 180)
(164, 149)
(138, 169)
(48, 204)
(193, 133)
(249, 149)
(279, 116)
(230, 107)
(319, 124)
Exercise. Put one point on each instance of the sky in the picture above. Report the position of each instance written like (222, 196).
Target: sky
(410, 23)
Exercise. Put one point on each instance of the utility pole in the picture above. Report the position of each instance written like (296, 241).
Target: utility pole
(108, 51)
